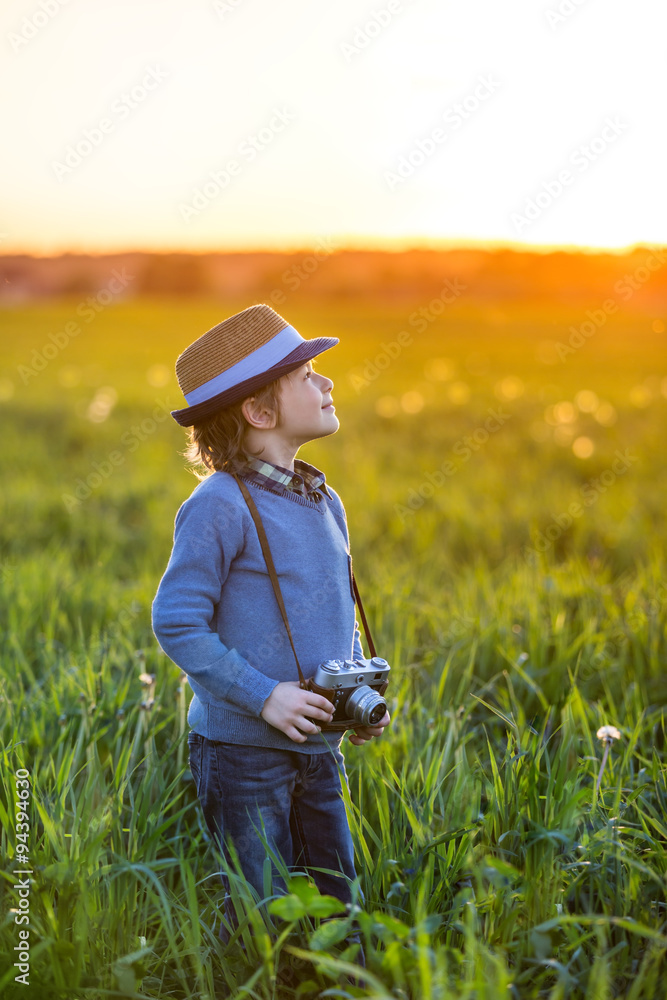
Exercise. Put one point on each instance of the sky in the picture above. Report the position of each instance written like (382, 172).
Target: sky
(250, 124)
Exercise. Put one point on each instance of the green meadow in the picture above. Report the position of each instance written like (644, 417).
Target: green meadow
(506, 502)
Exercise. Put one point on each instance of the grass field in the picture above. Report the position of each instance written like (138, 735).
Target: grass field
(506, 502)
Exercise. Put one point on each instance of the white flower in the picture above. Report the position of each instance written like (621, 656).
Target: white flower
(608, 733)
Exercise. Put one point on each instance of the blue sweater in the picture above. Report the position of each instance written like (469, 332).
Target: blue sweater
(216, 616)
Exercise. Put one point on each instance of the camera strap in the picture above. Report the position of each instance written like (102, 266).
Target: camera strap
(264, 542)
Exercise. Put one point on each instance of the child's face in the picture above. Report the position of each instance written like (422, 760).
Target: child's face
(306, 405)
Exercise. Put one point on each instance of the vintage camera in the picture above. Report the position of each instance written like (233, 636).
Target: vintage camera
(356, 688)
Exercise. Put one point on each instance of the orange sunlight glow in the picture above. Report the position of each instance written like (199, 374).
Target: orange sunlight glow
(247, 124)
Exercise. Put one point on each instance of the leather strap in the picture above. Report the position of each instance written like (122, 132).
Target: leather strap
(264, 542)
(371, 644)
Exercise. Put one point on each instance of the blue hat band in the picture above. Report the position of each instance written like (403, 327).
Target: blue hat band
(259, 361)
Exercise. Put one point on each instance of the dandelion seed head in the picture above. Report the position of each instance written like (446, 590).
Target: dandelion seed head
(608, 734)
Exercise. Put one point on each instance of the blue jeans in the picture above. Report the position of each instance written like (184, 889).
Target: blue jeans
(298, 798)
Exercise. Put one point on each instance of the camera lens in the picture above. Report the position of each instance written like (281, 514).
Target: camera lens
(377, 713)
(365, 706)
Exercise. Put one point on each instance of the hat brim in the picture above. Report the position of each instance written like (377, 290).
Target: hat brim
(189, 415)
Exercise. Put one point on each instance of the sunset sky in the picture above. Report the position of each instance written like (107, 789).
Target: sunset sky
(394, 123)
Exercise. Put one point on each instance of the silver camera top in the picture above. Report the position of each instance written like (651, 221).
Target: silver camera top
(340, 673)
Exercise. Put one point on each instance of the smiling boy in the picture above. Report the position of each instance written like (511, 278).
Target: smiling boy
(257, 753)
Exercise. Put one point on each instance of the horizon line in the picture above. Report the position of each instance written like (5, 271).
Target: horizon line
(367, 246)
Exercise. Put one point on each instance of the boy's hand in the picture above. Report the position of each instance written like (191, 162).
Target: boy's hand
(362, 734)
(288, 705)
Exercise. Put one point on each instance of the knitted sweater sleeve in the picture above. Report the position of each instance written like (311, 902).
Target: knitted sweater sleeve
(208, 534)
(341, 518)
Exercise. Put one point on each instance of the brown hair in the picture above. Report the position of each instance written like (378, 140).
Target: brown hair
(216, 443)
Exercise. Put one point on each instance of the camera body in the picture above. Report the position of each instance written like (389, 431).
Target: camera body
(356, 689)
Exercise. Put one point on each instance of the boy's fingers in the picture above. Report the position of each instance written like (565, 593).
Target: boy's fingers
(302, 721)
(368, 732)
(308, 727)
(319, 713)
(374, 730)
(319, 701)
(295, 735)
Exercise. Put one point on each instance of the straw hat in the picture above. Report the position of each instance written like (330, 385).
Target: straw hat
(241, 354)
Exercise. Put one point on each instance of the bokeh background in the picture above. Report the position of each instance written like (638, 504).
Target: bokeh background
(471, 197)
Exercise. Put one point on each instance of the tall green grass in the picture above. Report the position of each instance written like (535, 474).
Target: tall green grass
(491, 865)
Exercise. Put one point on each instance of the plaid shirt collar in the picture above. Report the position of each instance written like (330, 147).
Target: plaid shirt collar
(306, 479)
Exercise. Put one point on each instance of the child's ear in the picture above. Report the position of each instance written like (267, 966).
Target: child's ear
(257, 415)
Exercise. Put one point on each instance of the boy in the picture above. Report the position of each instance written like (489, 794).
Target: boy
(257, 753)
